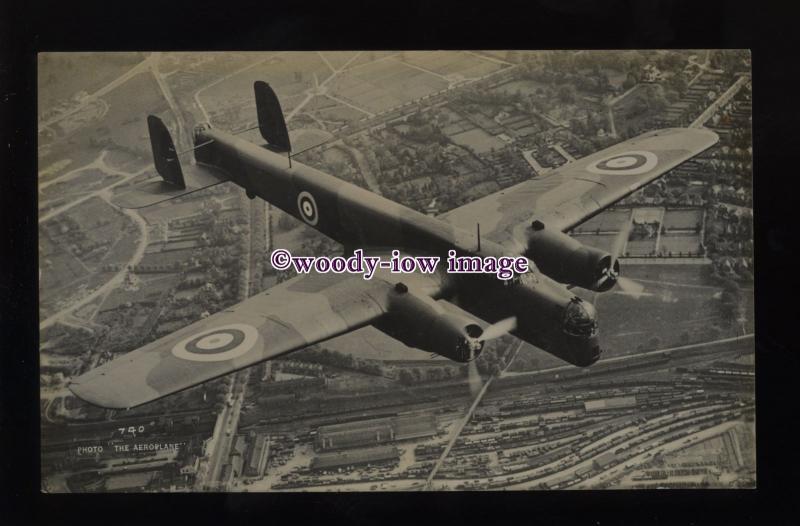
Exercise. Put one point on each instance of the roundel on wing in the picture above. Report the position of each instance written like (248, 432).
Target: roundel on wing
(626, 163)
(307, 207)
(217, 344)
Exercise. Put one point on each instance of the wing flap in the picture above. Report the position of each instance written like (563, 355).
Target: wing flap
(288, 317)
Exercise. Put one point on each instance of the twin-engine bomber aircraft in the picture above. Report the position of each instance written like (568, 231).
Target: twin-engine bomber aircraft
(447, 314)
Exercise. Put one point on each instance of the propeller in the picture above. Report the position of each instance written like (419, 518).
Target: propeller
(492, 332)
(626, 285)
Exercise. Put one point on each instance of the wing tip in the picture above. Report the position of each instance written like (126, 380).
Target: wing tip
(700, 131)
(91, 396)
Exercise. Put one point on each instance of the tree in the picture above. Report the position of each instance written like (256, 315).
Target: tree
(566, 94)
(405, 377)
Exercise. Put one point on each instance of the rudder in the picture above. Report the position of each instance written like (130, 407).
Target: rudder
(271, 123)
(165, 157)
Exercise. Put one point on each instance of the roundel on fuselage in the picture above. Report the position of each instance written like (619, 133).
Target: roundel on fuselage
(307, 208)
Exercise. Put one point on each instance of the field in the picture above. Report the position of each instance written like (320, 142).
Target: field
(602, 242)
(608, 221)
(682, 219)
(62, 75)
(58, 267)
(337, 59)
(525, 87)
(171, 210)
(478, 140)
(380, 86)
(677, 244)
(640, 247)
(166, 259)
(82, 181)
(124, 124)
(289, 73)
(76, 246)
(149, 289)
(305, 138)
(453, 64)
(676, 298)
(121, 126)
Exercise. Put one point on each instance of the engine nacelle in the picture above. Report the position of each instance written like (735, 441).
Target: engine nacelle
(432, 326)
(567, 260)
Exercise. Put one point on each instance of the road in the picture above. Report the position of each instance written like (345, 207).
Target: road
(222, 447)
(538, 168)
(104, 193)
(98, 164)
(563, 153)
(639, 355)
(227, 425)
(721, 101)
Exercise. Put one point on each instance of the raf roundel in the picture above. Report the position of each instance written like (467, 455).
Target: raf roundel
(627, 163)
(307, 207)
(221, 343)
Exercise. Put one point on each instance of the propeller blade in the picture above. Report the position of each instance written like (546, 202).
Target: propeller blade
(501, 328)
(620, 241)
(475, 382)
(628, 286)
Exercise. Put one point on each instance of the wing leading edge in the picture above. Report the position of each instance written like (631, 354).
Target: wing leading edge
(300, 312)
(573, 193)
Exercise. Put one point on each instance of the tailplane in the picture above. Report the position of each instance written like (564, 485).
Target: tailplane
(174, 181)
(271, 123)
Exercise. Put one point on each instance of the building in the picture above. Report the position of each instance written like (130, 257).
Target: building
(344, 459)
(236, 465)
(129, 481)
(376, 431)
(609, 404)
(415, 425)
(226, 476)
(355, 434)
(258, 456)
(191, 466)
(605, 460)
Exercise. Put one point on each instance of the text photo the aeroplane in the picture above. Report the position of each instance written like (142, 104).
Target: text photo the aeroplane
(444, 313)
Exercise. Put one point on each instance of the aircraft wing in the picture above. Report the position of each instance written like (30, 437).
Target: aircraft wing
(299, 312)
(574, 192)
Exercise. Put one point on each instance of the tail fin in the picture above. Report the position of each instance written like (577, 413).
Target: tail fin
(271, 123)
(165, 156)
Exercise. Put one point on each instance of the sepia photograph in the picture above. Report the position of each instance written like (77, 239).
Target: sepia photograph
(381, 271)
